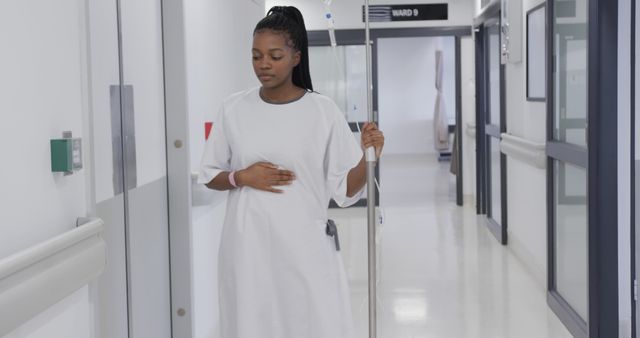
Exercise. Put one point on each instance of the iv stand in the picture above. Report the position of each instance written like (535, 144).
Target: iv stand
(371, 188)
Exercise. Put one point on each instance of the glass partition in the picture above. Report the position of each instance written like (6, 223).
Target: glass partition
(571, 235)
(339, 73)
(568, 150)
(570, 79)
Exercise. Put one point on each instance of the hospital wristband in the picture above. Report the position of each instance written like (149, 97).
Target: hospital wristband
(232, 179)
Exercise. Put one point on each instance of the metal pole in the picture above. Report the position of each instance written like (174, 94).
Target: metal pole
(371, 188)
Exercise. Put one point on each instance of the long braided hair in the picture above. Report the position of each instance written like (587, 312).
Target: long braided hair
(288, 19)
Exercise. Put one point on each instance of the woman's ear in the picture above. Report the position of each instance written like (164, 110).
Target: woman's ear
(296, 58)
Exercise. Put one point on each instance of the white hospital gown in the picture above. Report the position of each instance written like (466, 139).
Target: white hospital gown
(280, 275)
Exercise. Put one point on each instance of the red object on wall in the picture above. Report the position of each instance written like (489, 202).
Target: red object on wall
(207, 129)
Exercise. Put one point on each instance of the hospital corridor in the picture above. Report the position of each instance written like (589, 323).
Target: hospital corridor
(441, 273)
(319, 169)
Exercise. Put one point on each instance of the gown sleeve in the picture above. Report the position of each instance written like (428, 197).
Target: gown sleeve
(217, 153)
(343, 154)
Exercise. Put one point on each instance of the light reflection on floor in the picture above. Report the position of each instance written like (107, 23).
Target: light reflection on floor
(441, 273)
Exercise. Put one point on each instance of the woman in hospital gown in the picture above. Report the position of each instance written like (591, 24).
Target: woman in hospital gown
(283, 151)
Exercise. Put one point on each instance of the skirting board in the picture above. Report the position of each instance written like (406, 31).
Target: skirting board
(36, 278)
(524, 150)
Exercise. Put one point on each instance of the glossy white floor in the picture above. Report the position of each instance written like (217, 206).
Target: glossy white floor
(441, 273)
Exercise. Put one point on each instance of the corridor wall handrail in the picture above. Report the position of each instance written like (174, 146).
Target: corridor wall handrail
(36, 278)
(532, 153)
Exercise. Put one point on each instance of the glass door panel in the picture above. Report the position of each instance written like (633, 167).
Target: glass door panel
(571, 235)
(493, 59)
(340, 74)
(146, 165)
(570, 123)
(127, 98)
(108, 166)
(494, 168)
(494, 161)
(567, 149)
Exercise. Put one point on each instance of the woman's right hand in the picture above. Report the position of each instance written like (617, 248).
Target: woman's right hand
(264, 176)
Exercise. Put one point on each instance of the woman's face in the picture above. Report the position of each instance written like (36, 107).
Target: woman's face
(273, 58)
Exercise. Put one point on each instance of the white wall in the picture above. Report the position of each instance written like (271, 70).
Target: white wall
(207, 223)
(218, 59)
(477, 7)
(407, 93)
(218, 44)
(348, 13)
(43, 67)
(526, 185)
(70, 317)
(40, 97)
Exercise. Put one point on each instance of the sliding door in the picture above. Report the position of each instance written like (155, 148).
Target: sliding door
(567, 170)
(582, 175)
(491, 122)
(127, 94)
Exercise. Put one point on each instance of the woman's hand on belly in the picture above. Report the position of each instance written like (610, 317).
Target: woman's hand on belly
(264, 176)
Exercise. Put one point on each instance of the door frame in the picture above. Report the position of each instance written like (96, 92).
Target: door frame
(481, 203)
(122, 281)
(485, 130)
(357, 37)
(600, 160)
(178, 166)
(634, 189)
